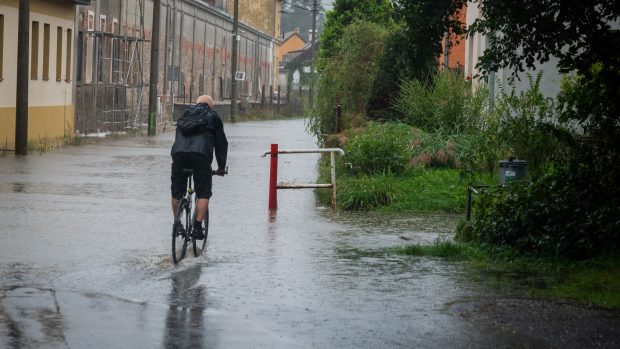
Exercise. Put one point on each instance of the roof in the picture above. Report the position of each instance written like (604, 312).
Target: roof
(305, 54)
(290, 34)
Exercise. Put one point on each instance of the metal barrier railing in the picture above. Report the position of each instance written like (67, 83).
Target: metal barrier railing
(273, 173)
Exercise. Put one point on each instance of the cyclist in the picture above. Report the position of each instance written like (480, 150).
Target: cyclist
(199, 133)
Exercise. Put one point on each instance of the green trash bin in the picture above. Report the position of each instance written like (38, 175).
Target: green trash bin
(512, 170)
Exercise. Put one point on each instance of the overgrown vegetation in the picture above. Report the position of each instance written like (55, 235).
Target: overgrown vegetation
(433, 134)
(564, 214)
(347, 77)
(445, 104)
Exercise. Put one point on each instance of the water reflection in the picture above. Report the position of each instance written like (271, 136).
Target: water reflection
(185, 319)
(19, 187)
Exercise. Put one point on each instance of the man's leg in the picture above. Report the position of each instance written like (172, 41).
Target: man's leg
(175, 204)
(202, 206)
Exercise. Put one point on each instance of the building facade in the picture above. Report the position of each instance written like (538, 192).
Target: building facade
(456, 48)
(51, 69)
(195, 54)
(291, 41)
(90, 67)
(476, 44)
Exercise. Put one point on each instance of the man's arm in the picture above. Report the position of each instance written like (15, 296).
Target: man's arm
(221, 144)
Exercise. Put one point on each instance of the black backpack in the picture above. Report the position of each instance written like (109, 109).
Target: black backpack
(193, 121)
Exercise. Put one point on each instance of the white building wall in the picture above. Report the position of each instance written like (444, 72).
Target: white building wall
(41, 92)
(9, 73)
(474, 49)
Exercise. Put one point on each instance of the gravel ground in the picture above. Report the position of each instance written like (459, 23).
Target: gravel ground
(546, 324)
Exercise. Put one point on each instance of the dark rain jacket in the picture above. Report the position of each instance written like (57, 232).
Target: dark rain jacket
(204, 143)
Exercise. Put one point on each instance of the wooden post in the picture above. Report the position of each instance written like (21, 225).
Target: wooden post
(337, 115)
(332, 159)
(468, 214)
(270, 94)
(262, 96)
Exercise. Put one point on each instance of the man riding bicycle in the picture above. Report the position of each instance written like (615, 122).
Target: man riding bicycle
(199, 133)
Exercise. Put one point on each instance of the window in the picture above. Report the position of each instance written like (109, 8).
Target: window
(1, 44)
(46, 51)
(69, 56)
(34, 52)
(102, 23)
(91, 20)
(58, 53)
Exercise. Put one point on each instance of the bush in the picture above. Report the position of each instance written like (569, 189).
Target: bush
(444, 105)
(524, 126)
(380, 148)
(572, 213)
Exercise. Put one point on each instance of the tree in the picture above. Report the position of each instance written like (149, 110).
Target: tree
(412, 50)
(345, 12)
(578, 33)
(346, 79)
(425, 23)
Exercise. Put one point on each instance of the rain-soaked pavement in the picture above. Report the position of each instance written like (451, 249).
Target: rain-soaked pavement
(85, 258)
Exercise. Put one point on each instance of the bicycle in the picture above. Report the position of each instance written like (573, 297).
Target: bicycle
(182, 234)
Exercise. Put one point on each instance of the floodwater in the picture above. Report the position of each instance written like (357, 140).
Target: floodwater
(85, 258)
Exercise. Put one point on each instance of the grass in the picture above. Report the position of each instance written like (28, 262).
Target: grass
(594, 281)
(416, 190)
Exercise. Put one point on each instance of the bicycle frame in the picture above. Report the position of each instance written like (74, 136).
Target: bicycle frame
(190, 196)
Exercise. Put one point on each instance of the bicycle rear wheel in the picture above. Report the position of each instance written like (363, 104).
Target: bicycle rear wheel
(199, 245)
(180, 231)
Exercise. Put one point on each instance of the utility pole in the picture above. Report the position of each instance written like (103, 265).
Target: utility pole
(153, 81)
(311, 92)
(21, 102)
(235, 43)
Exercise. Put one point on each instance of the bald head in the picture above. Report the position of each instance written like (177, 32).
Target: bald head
(205, 99)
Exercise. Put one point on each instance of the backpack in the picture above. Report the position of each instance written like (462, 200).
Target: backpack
(193, 121)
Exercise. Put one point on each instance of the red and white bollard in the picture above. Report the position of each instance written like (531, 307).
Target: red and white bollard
(273, 179)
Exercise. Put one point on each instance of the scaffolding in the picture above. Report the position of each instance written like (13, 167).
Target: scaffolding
(112, 81)
(112, 93)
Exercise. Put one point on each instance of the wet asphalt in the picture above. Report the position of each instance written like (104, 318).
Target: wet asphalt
(85, 258)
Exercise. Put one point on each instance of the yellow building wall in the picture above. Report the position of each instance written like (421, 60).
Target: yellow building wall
(44, 123)
(263, 15)
(51, 107)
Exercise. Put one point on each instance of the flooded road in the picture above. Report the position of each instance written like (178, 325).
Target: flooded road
(85, 258)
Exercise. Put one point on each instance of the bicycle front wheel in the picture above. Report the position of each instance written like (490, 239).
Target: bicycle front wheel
(180, 231)
(199, 245)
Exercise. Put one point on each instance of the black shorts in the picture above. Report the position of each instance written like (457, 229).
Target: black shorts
(202, 175)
